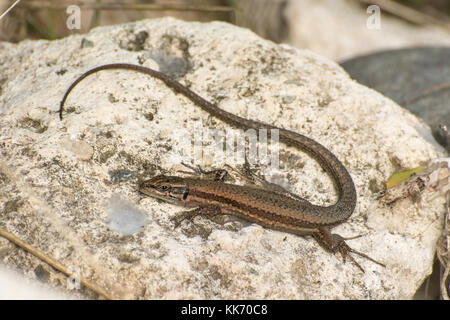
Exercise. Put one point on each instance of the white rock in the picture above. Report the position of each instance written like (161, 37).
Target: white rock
(134, 123)
(14, 286)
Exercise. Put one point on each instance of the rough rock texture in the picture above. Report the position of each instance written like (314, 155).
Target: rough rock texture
(415, 78)
(58, 178)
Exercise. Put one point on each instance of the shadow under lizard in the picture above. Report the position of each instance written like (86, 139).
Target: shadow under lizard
(276, 210)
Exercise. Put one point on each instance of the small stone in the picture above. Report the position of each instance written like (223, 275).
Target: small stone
(80, 148)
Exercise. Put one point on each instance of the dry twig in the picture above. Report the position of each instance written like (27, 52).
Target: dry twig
(55, 264)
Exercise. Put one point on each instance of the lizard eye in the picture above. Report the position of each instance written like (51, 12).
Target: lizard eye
(163, 188)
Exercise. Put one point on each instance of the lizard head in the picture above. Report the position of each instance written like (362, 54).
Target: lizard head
(167, 188)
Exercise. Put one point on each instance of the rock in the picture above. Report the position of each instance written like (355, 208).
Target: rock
(337, 29)
(83, 150)
(62, 199)
(14, 286)
(418, 79)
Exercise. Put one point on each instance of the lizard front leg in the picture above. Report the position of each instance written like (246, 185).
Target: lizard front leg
(336, 243)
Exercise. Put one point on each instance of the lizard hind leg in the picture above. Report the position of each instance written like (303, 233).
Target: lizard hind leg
(213, 175)
(259, 181)
(336, 243)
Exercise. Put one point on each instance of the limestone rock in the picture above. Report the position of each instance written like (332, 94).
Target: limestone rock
(58, 201)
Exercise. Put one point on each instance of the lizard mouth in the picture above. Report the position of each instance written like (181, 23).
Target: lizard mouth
(157, 196)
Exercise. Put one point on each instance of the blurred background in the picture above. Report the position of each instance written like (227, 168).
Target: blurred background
(400, 48)
(326, 27)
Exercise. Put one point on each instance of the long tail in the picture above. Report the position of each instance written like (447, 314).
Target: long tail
(336, 213)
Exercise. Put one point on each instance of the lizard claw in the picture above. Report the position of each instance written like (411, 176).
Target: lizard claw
(188, 214)
(344, 250)
(334, 242)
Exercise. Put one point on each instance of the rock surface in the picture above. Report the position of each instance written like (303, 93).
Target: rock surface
(14, 286)
(418, 79)
(58, 178)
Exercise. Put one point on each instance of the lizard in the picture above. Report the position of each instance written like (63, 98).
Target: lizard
(274, 208)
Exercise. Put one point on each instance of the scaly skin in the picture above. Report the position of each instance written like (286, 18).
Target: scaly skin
(265, 207)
